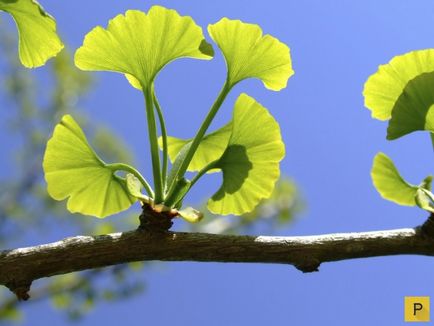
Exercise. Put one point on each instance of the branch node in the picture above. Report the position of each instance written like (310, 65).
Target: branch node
(21, 289)
(154, 221)
(309, 266)
(427, 228)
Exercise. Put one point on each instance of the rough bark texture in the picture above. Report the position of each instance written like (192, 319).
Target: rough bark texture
(20, 267)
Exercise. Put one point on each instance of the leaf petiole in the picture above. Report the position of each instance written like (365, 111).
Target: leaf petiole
(133, 171)
(153, 140)
(163, 136)
(179, 192)
(179, 174)
(208, 167)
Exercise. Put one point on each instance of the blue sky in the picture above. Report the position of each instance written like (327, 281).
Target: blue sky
(330, 143)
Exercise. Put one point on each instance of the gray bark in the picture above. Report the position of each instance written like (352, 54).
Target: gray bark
(20, 267)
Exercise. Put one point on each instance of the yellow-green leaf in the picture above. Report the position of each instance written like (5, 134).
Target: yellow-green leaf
(426, 183)
(38, 40)
(250, 163)
(383, 88)
(414, 108)
(74, 171)
(249, 54)
(210, 149)
(190, 214)
(389, 182)
(140, 45)
(134, 187)
(425, 200)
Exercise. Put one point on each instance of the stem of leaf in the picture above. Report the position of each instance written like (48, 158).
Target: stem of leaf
(133, 171)
(163, 136)
(153, 140)
(202, 130)
(208, 167)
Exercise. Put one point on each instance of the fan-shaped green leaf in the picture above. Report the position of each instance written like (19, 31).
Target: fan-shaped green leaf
(38, 40)
(210, 149)
(249, 54)
(383, 88)
(414, 108)
(250, 163)
(389, 182)
(72, 169)
(140, 45)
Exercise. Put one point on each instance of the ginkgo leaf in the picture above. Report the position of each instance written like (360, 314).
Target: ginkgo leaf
(427, 183)
(425, 200)
(210, 149)
(72, 169)
(38, 40)
(383, 88)
(191, 215)
(429, 194)
(424, 196)
(389, 182)
(249, 54)
(250, 163)
(414, 108)
(134, 187)
(140, 45)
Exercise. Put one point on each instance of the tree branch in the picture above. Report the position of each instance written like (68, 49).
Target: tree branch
(20, 267)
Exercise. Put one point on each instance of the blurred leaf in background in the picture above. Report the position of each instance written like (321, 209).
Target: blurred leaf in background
(279, 210)
(25, 208)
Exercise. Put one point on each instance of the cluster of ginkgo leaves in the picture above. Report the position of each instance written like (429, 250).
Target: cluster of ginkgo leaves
(402, 92)
(247, 150)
